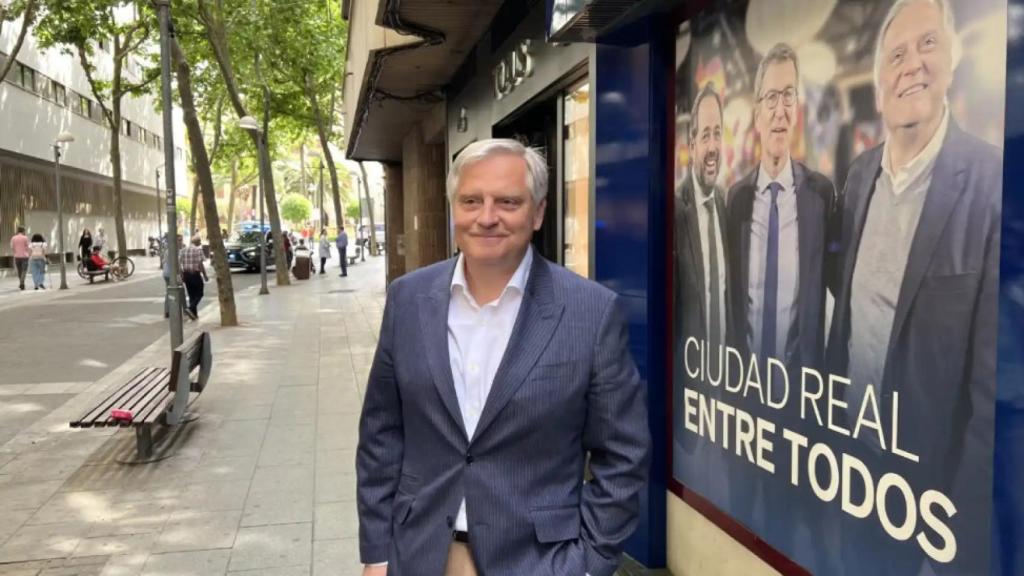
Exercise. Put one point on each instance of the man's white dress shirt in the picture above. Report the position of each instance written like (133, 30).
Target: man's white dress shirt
(477, 339)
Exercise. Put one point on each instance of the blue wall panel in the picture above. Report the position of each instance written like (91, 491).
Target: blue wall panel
(630, 236)
(1008, 507)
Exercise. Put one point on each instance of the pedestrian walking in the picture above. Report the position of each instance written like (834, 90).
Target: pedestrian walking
(37, 261)
(482, 472)
(325, 249)
(85, 244)
(20, 251)
(193, 275)
(100, 241)
(342, 244)
(288, 252)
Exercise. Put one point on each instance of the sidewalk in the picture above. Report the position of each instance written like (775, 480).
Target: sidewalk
(145, 267)
(261, 484)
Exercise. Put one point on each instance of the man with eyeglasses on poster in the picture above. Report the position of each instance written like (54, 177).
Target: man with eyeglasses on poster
(779, 218)
(915, 316)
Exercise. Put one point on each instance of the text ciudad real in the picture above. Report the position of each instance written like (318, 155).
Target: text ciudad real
(822, 399)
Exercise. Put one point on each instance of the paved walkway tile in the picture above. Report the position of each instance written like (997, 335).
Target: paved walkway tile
(262, 484)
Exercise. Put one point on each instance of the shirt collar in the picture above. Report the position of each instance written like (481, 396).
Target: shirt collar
(699, 195)
(921, 163)
(785, 177)
(517, 282)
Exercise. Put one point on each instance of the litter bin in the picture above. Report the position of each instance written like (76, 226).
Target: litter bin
(302, 266)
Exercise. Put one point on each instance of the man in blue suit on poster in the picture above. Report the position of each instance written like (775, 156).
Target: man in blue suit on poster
(780, 218)
(497, 373)
(914, 326)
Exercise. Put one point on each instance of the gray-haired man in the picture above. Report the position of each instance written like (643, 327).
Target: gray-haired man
(915, 316)
(496, 373)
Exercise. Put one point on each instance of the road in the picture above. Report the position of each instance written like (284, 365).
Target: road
(51, 350)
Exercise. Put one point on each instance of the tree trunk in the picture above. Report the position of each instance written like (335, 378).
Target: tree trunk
(321, 129)
(26, 22)
(115, 162)
(369, 210)
(195, 208)
(270, 197)
(231, 195)
(204, 179)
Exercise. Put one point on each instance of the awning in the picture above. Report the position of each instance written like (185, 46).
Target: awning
(403, 83)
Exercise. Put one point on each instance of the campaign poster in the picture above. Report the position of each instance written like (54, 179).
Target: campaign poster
(837, 204)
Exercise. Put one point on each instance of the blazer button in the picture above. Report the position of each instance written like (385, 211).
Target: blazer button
(469, 459)
(450, 521)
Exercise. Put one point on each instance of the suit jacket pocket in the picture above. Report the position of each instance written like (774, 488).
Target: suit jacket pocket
(556, 371)
(949, 283)
(556, 524)
(409, 484)
(402, 508)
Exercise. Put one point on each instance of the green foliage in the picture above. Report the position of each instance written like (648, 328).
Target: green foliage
(296, 209)
(183, 206)
(352, 211)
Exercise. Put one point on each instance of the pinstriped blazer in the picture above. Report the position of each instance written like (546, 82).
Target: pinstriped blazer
(566, 386)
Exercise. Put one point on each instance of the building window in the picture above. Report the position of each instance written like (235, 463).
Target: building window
(26, 76)
(576, 167)
(60, 94)
(44, 87)
(95, 112)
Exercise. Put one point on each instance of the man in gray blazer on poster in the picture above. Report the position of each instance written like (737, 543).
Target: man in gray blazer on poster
(497, 373)
(915, 315)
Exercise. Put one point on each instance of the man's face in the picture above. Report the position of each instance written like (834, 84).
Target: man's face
(707, 144)
(494, 212)
(775, 113)
(916, 67)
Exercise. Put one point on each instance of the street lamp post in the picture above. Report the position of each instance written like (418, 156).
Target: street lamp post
(62, 138)
(174, 291)
(159, 212)
(249, 123)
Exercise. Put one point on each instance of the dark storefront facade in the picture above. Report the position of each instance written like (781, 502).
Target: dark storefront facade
(795, 463)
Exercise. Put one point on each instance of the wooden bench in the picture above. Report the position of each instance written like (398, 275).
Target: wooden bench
(156, 395)
(92, 274)
(356, 252)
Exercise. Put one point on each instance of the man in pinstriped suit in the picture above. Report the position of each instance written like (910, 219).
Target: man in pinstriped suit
(495, 375)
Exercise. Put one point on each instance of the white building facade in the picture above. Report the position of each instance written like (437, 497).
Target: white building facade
(46, 93)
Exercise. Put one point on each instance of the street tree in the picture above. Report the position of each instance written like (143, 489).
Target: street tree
(204, 178)
(75, 26)
(296, 209)
(27, 11)
(304, 50)
(244, 40)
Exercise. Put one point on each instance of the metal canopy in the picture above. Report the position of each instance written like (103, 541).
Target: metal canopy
(403, 83)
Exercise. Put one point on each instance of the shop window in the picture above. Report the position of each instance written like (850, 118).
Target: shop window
(576, 185)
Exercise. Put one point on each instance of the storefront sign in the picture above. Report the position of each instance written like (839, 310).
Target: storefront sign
(512, 70)
(834, 330)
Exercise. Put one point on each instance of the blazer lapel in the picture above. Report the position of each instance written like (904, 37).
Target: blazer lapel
(808, 233)
(696, 256)
(860, 211)
(944, 192)
(433, 314)
(539, 316)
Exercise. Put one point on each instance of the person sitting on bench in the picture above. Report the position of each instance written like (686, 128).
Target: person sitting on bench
(96, 263)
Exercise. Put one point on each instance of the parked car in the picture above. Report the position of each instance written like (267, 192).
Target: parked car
(244, 248)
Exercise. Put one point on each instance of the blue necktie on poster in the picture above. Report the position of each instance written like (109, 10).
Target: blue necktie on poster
(771, 277)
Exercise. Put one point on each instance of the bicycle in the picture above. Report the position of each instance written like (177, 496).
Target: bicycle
(122, 268)
(119, 269)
